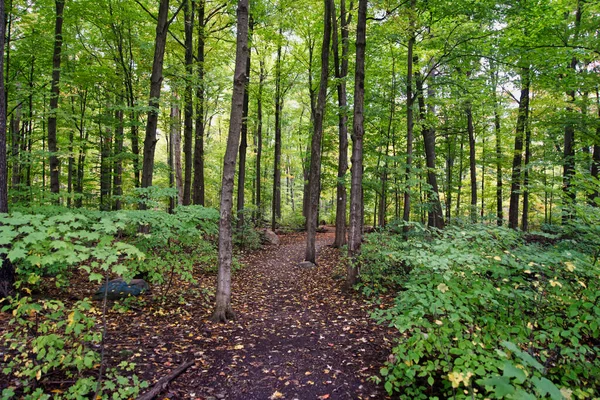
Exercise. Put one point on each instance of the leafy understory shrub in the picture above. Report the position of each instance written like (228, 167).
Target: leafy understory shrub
(46, 338)
(481, 313)
(47, 342)
(174, 244)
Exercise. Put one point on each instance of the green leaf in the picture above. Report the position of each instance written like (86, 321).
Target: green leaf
(388, 387)
(502, 386)
(544, 387)
(94, 276)
(16, 253)
(510, 371)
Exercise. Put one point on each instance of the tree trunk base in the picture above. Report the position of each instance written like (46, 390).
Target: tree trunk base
(7, 278)
(223, 315)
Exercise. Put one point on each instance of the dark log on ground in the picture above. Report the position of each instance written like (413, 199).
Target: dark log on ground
(164, 381)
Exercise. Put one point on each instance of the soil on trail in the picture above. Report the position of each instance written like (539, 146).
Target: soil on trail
(297, 335)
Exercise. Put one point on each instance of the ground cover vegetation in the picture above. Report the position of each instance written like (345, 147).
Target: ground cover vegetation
(455, 147)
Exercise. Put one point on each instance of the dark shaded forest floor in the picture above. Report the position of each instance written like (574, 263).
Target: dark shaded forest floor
(297, 334)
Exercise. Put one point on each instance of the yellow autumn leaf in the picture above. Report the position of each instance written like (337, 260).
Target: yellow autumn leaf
(570, 266)
(582, 284)
(276, 395)
(71, 317)
(442, 287)
(38, 374)
(238, 347)
(554, 283)
(497, 258)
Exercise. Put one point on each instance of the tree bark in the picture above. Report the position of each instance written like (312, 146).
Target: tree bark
(118, 161)
(499, 200)
(125, 60)
(515, 185)
(472, 166)
(356, 198)
(314, 177)
(569, 136)
(460, 173)
(105, 166)
(199, 143)
(525, 217)
(409, 115)
(244, 142)
(7, 271)
(54, 95)
(188, 110)
(450, 154)
(82, 151)
(595, 167)
(176, 153)
(259, 124)
(341, 71)
(276, 204)
(223, 310)
(155, 85)
(435, 216)
(17, 135)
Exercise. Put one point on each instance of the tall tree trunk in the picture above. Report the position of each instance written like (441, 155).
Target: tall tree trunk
(7, 271)
(569, 157)
(17, 136)
(483, 154)
(82, 149)
(526, 166)
(169, 139)
(125, 60)
(499, 202)
(244, 141)
(70, 167)
(435, 216)
(409, 114)
(54, 94)
(472, 166)
(356, 198)
(155, 85)
(515, 185)
(188, 128)
(312, 94)
(259, 125)
(276, 204)
(118, 161)
(223, 310)
(594, 197)
(105, 165)
(451, 152)
(176, 152)
(460, 173)
(569, 137)
(199, 144)
(341, 71)
(314, 177)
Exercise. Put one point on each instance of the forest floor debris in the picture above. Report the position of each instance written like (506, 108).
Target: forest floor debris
(297, 335)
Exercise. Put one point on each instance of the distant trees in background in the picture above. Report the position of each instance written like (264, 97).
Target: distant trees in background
(495, 102)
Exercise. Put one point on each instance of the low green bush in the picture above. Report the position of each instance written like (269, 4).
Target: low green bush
(482, 313)
(48, 338)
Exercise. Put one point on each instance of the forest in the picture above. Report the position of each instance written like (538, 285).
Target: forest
(277, 199)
